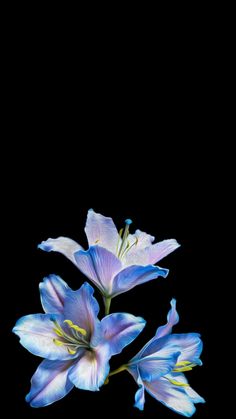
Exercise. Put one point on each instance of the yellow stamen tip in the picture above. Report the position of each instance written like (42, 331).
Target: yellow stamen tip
(69, 322)
(58, 342)
(182, 369)
(58, 332)
(177, 383)
(75, 327)
(71, 351)
(79, 329)
(183, 363)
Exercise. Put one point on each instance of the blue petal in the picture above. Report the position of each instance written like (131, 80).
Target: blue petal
(129, 277)
(153, 367)
(62, 245)
(100, 266)
(36, 334)
(140, 395)
(171, 396)
(188, 344)
(120, 329)
(172, 319)
(90, 372)
(52, 292)
(192, 394)
(102, 231)
(49, 383)
(82, 308)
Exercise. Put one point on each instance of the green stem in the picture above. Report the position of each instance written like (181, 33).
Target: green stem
(107, 303)
(122, 368)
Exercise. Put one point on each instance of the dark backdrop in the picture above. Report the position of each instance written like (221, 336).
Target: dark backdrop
(130, 141)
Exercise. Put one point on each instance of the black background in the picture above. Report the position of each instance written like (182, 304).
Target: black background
(130, 141)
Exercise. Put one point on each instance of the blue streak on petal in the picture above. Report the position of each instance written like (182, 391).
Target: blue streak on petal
(49, 383)
(120, 329)
(134, 275)
(45, 247)
(172, 319)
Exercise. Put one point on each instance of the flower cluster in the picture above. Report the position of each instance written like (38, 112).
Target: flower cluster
(76, 345)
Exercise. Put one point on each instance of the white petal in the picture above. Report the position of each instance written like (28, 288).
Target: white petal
(62, 245)
(102, 231)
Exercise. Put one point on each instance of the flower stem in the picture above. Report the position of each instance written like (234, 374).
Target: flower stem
(107, 303)
(122, 368)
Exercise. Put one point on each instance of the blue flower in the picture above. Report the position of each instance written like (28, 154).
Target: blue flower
(76, 344)
(158, 368)
(115, 262)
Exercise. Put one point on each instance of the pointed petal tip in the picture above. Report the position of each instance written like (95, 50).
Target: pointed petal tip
(14, 330)
(28, 398)
(163, 271)
(138, 406)
(44, 246)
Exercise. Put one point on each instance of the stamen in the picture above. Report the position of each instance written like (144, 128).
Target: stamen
(75, 327)
(58, 332)
(128, 247)
(58, 342)
(183, 366)
(79, 329)
(183, 363)
(71, 351)
(73, 341)
(124, 238)
(69, 322)
(177, 383)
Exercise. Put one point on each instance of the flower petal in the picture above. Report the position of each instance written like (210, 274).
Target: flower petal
(193, 395)
(49, 383)
(171, 396)
(140, 240)
(188, 344)
(172, 319)
(82, 308)
(102, 231)
(99, 265)
(62, 245)
(90, 372)
(129, 277)
(36, 335)
(160, 250)
(180, 378)
(151, 368)
(140, 394)
(52, 292)
(120, 329)
(150, 254)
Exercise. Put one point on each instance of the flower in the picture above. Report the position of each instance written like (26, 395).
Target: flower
(115, 262)
(158, 368)
(76, 345)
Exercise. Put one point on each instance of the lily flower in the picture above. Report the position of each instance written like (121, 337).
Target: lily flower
(115, 262)
(76, 345)
(158, 368)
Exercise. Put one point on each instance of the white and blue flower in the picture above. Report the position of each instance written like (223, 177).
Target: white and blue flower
(76, 345)
(115, 262)
(158, 368)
